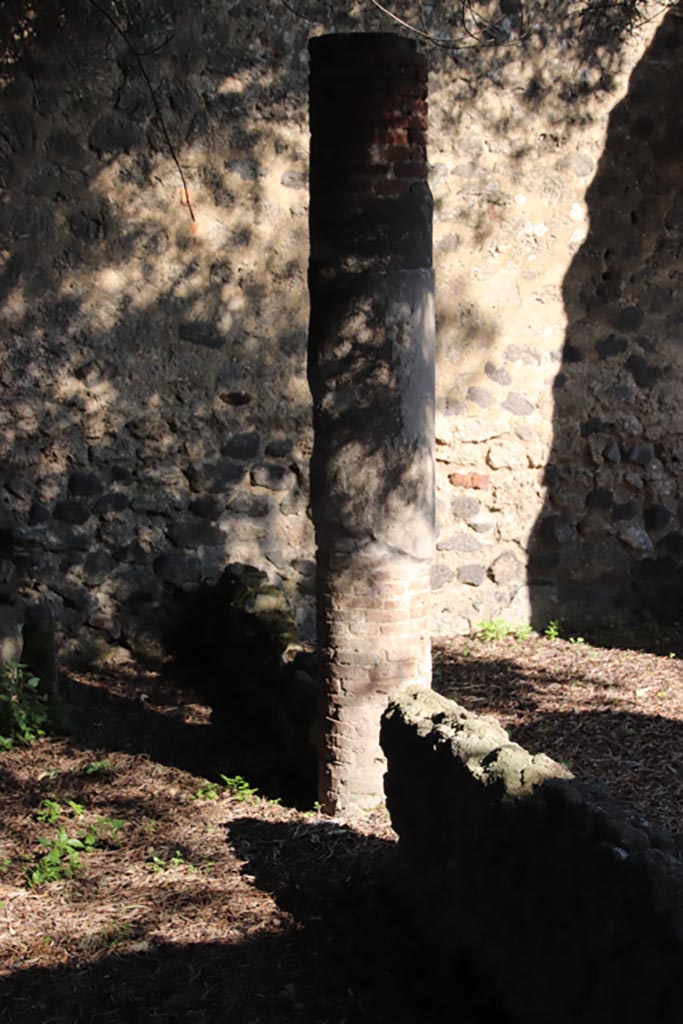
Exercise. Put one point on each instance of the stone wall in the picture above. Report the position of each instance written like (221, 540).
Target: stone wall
(154, 412)
(570, 901)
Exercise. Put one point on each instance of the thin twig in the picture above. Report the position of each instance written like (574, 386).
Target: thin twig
(143, 72)
(444, 44)
(304, 17)
(155, 49)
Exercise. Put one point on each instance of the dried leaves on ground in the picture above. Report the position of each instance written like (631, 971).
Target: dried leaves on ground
(608, 712)
(204, 904)
(198, 902)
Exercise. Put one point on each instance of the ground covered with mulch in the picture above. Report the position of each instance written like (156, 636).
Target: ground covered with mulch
(609, 712)
(196, 901)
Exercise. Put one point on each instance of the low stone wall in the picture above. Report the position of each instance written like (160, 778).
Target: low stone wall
(568, 898)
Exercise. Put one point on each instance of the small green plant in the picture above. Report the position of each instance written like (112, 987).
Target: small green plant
(157, 863)
(24, 715)
(49, 811)
(60, 860)
(234, 785)
(552, 630)
(207, 791)
(98, 768)
(238, 788)
(576, 640)
(5, 864)
(62, 852)
(523, 632)
(108, 829)
(492, 629)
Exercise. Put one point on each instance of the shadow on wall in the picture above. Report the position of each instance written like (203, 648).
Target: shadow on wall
(236, 643)
(154, 409)
(143, 443)
(610, 538)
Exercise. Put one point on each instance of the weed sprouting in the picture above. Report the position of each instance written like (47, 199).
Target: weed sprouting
(49, 811)
(231, 785)
(499, 629)
(491, 630)
(552, 630)
(98, 768)
(62, 852)
(157, 863)
(24, 715)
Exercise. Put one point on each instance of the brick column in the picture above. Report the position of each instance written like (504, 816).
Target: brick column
(371, 373)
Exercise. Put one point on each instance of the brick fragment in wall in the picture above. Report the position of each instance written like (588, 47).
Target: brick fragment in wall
(473, 481)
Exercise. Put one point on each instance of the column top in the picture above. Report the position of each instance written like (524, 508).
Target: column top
(342, 44)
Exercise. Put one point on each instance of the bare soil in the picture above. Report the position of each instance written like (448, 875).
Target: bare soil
(219, 910)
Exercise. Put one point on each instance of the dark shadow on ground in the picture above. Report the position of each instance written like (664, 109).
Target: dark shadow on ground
(610, 537)
(101, 717)
(347, 953)
(548, 710)
(236, 696)
(235, 642)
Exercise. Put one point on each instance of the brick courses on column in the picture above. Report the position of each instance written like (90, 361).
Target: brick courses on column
(371, 373)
